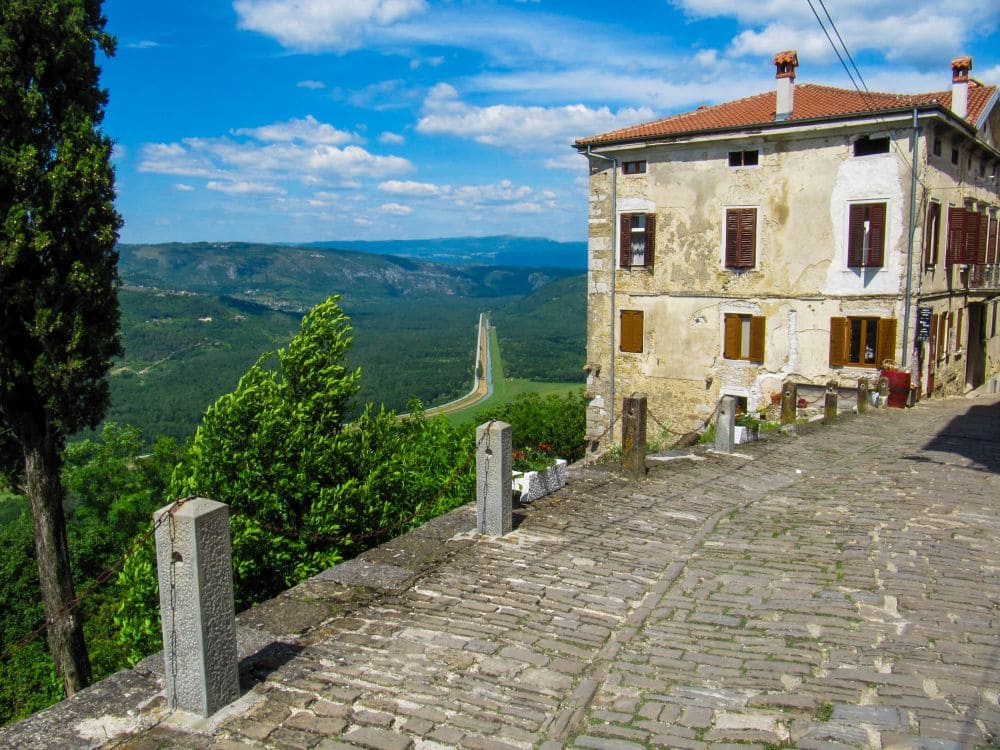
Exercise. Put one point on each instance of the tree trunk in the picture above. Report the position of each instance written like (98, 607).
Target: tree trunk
(43, 486)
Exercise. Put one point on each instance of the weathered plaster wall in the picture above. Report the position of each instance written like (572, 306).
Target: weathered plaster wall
(802, 189)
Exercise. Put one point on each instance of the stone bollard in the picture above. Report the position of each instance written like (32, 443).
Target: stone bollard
(493, 479)
(725, 425)
(862, 396)
(830, 403)
(883, 392)
(789, 405)
(194, 566)
(634, 436)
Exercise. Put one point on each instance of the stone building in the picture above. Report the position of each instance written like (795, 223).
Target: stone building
(786, 236)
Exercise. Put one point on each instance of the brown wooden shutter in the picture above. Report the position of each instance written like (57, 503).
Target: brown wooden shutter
(971, 242)
(748, 237)
(731, 339)
(838, 341)
(631, 330)
(732, 238)
(886, 347)
(984, 231)
(931, 234)
(757, 339)
(991, 243)
(625, 242)
(876, 235)
(650, 238)
(956, 235)
(856, 236)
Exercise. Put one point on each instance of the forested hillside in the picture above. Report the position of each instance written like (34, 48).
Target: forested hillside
(195, 317)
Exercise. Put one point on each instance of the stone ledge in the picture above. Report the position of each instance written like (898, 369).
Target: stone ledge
(268, 634)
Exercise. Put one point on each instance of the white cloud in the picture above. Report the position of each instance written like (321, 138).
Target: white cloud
(142, 44)
(391, 138)
(183, 187)
(924, 33)
(243, 187)
(308, 84)
(408, 187)
(272, 159)
(570, 160)
(307, 130)
(524, 208)
(395, 209)
(518, 127)
(316, 25)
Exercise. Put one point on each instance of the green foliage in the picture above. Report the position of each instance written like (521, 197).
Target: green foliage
(304, 490)
(559, 422)
(113, 490)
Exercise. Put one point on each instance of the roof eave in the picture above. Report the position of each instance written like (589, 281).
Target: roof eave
(581, 145)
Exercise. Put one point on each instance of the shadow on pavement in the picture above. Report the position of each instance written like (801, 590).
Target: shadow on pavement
(974, 435)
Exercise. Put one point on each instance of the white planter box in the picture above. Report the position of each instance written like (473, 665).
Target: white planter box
(745, 434)
(535, 484)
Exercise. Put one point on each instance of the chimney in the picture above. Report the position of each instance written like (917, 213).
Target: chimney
(960, 68)
(786, 63)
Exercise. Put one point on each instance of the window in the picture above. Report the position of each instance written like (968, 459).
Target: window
(741, 237)
(932, 235)
(954, 155)
(744, 337)
(634, 167)
(942, 337)
(868, 146)
(866, 235)
(967, 236)
(631, 331)
(991, 242)
(937, 146)
(638, 238)
(744, 158)
(862, 342)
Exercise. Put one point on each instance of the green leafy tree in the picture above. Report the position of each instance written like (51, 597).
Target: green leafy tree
(305, 490)
(58, 274)
(559, 422)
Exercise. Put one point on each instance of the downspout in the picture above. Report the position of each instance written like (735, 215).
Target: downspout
(611, 268)
(909, 246)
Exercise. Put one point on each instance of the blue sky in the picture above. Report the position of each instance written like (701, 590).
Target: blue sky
(298, 120)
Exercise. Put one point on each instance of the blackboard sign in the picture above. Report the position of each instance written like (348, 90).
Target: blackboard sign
(923, 324)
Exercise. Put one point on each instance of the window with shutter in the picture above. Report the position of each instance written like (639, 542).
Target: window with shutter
(862, 342)
(982, 239)
(932, 235)
(743, 337)
(637, 238)
(741, 237)
(631, 330)
(866, 235)
(956, 236)
(991, 242)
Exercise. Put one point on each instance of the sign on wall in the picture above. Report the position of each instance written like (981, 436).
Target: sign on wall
(923, 324)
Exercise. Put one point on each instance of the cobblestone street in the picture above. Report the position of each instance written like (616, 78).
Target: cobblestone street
(833, 589)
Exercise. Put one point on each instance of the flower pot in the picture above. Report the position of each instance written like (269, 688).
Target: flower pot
(535, 484)
(746, 434)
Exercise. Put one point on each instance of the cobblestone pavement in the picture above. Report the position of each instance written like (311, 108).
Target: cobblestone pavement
(835, 589)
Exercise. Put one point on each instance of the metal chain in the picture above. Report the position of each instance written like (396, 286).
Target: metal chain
(102, 578)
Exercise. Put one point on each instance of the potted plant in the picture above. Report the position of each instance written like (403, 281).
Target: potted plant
(747, 428)
(537, 472)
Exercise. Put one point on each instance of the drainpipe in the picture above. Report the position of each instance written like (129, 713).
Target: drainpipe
(611, 267)
(909, 245)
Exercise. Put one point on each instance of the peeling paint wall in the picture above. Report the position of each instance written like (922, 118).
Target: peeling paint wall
(802, 189)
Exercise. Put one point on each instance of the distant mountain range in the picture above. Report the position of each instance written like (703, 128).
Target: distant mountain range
(503, 250)
(290, 277)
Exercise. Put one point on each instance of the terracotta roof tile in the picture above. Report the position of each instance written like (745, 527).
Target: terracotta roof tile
(811, 101)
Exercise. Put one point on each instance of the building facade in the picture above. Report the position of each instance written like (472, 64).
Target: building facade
(787, 236)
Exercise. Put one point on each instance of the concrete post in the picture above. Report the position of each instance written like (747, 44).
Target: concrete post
(493, 480)
(883, 392)
(830, 403)
(789, 405)
(194, 564)
(725, 425)
(862, 396)
(634, 436)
